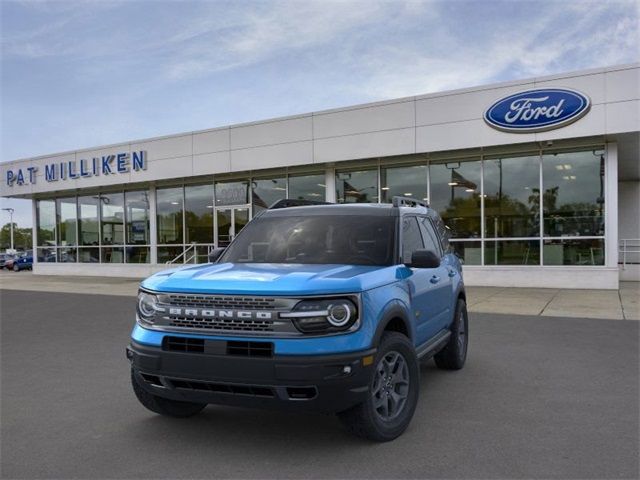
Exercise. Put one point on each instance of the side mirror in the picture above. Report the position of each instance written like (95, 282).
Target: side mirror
(424, 259)
(215, 254)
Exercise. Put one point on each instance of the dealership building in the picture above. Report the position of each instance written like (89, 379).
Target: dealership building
(537, 179)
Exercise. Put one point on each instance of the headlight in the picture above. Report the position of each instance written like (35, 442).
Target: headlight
(323, 316)
(147, 306)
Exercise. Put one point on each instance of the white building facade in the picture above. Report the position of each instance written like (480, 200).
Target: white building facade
(537, 179)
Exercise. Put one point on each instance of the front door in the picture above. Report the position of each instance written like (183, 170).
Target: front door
(229, 222)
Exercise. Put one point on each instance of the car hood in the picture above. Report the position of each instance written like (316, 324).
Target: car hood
(271, 279)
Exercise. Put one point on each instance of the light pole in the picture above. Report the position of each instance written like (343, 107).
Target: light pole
(10, 210)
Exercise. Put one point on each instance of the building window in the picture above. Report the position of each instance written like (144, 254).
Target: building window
(574, 251)
(456, 196)
(232, 193)
(198, 213)
(307, 187)
(88, 228)
(357, 186)
(266, 192)
(169, 203)
(46, 223)
(512, 252)
(573, 200)
(512, 197)
(404, 181)
(67, 216)
(137, 217)
(112, 218)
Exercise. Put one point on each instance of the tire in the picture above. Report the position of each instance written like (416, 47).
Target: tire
(367, 420)
(16, 268)
(454, 355)
(164, 406)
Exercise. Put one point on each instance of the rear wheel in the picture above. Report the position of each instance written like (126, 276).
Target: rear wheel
(393, 392)
(164, 406)
(16, 268)
(454, 354)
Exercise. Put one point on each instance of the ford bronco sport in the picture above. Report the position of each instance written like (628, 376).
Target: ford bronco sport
(313, 308)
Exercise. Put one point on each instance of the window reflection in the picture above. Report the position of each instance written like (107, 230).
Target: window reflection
(307, 187)
(469, 252)
(112, 218)
(169, 206)
(455, 195)
(232, 193)
(512, 252)
(573, 193)
(512, 197)
(266, 192)
(46, 222)
(357, 187)
(199, 213)
(573, 251)
(67, 219)
(88, 221)
(137, 217)
(404, 181)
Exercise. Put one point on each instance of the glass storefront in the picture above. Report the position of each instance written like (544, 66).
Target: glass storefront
(91, 228)
(512, 197)
(169, 208)
(112, 227)
(307, 187)
(455, 195)
(408, 181)
(265, 192)
(492, 205)
(357, 186)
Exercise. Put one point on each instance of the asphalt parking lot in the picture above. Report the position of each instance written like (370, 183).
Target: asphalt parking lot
(540, 397)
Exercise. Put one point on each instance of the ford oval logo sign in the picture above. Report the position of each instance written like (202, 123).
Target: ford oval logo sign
(537, 110)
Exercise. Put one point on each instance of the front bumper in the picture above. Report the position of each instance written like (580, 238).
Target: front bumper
(322, 383)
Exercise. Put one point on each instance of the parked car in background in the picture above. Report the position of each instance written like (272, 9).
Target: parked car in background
(6, 260)
(23, 262)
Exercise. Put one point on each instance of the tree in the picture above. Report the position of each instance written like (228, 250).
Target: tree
(21, 237)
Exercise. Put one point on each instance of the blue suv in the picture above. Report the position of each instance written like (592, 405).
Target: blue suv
(321, 307)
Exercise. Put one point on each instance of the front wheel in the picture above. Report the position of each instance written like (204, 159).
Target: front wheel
(164, 406)
(454, 355)
(393, 392)
(16, 268)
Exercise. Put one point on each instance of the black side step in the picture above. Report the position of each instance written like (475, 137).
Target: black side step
(433, 346)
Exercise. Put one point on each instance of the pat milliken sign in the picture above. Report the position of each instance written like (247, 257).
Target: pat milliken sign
(537, 110)
(105, 165)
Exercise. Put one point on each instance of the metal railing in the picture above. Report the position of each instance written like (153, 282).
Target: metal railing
(190, 249)
(629, 247)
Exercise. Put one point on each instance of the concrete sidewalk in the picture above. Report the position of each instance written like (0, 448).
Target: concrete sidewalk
(623, 304)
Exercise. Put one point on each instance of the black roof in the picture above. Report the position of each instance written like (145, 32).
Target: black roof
(362, 209)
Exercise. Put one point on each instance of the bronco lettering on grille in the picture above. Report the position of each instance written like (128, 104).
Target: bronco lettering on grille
(209, 313)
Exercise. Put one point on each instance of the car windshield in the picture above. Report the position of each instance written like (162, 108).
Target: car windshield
(315, 239)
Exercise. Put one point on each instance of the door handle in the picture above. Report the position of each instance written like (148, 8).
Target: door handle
(435, 279)
(452, 273)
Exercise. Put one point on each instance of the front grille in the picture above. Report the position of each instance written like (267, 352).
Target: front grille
(250, 349)
(182, 344)
(251, 390)
(217, 347)
(222, 302)
(223, 325)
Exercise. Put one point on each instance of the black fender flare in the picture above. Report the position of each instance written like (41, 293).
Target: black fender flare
(393, 310)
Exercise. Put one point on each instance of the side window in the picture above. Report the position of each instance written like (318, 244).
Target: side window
(411, 238)
(431, 241)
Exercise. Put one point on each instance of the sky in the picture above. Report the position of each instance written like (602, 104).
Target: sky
(88, 73)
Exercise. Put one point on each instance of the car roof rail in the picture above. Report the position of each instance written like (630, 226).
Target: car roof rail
(399, 201)
(294, 202)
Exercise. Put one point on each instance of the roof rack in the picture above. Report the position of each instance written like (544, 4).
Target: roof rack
(399, 201)
(293, 202)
